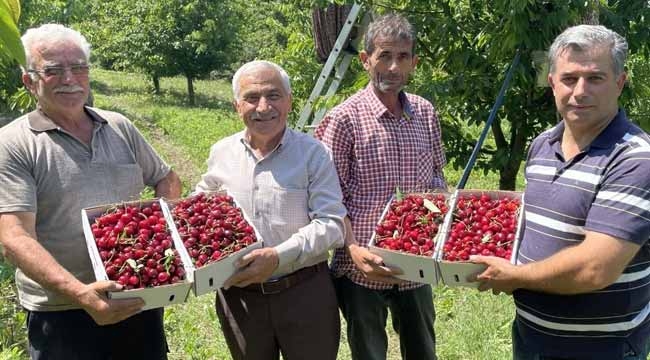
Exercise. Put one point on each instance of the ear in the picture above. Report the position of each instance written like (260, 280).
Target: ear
(235, 105)
(365, 59)
(28, 82)
(620, 82)
(414, 61)
(549, 78)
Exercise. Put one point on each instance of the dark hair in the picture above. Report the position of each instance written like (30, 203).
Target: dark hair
(391, 27)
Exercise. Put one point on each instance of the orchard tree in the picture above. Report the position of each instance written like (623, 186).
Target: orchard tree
(164, 38)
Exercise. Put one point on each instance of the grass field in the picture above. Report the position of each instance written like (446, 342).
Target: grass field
(469, 325)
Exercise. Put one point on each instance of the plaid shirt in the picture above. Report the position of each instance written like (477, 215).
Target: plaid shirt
(374, 153)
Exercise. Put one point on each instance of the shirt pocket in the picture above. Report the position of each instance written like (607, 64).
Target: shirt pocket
(291, 208)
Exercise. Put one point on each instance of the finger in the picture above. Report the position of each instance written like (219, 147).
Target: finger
(484, 286)
(384, 270)
(372, 259)
(106, 285)
(245, 260)
(478, 259)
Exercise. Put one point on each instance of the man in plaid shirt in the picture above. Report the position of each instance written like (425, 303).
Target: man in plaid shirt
(383, 138)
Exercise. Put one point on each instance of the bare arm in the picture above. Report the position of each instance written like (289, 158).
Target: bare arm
(18, 237)
(169, 187)
(592, 265)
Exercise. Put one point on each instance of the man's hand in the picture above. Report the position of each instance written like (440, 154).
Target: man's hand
(372, 266)
(500, 275)
(255, 267)
(106, 311)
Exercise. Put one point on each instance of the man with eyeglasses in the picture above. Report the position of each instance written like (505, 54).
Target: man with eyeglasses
(54, 161)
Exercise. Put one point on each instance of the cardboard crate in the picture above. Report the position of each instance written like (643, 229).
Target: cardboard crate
(154, 297)
(211, 277)
(415, 268)
(456, 273)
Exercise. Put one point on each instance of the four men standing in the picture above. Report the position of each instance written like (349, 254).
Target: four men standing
(581, 286)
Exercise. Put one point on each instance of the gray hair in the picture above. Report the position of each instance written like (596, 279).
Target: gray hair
(249, 67)
(391, 27)
(51, 33)
(584, 38)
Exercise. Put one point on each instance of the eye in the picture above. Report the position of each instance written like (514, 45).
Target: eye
(53, 71)
(274, 97)
(81, 69)
(569, 79)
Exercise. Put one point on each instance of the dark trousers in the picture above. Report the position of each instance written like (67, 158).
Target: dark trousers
(302, 322)
(366, 311)
(520, 352)
(73, 334)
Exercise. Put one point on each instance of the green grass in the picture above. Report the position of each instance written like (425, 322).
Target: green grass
(470, 325)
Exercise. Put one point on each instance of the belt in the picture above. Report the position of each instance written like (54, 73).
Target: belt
(285, 282)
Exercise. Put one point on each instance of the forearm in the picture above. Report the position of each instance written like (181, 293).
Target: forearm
(169, 187)
(311, 241)
(574, 270)
(22, 249)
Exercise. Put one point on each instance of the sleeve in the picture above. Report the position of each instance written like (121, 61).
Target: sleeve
(153, 167)
(622, 205)
(209, 181)
(335, 131)
(18, 189)
(326, 211)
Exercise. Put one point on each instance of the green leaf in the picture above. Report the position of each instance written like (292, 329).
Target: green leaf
(9, 35)
(132, 264)
(431, 206)
(14, 8)
(398, 194)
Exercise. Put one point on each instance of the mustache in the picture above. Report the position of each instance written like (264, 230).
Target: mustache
(261, 116)
(68, 88)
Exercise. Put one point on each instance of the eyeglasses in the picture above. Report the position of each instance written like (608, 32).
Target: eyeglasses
(59, 71)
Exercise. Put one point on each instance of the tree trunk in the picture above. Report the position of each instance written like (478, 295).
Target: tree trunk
(508, 174)
(156, 84)
(190, 89)
(592, 13)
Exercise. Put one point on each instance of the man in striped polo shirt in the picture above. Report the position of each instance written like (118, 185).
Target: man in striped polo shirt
(582, 284)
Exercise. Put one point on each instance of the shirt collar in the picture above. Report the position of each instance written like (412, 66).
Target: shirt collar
(607, 138)
(379, 109)
(613, 132)
(286, 138)
(40, 122)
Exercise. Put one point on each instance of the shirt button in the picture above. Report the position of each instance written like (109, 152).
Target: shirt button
(257, 214)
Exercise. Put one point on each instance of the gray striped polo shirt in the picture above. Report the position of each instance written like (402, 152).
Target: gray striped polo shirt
(605, 189)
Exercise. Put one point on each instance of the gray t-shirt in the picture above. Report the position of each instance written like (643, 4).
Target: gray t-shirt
(46, 171)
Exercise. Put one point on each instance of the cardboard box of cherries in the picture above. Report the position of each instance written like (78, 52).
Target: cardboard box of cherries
(407, 233)
(215, 232)
(480, 222)
(132, 243)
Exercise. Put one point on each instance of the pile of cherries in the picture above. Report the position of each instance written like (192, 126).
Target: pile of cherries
(412, 223)
(211, 227)
(136, 246)
(482, 226)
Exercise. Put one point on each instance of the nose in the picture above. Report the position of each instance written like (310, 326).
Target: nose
(263, 105)
(394, 65)
(581, 87)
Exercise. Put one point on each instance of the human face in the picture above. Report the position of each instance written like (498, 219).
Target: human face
(586, 89)
(389, 65)
(263, 103)
(65, 94)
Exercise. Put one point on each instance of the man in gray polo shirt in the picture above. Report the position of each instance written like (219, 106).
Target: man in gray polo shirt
(582, 289)
(53, 162)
